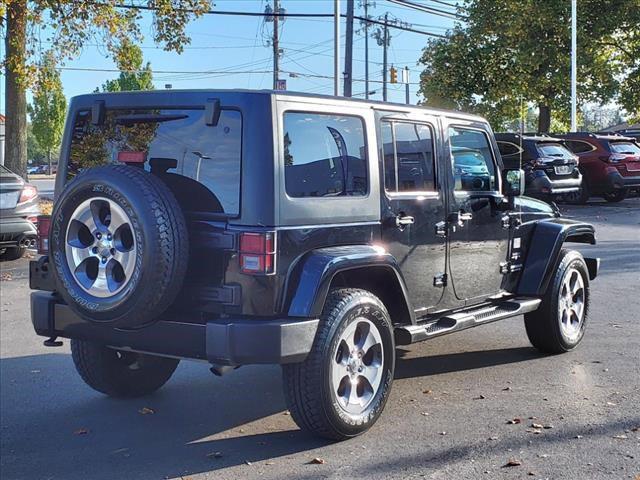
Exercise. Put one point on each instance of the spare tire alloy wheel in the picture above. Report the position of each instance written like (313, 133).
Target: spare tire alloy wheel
(571, 307)
(118, 246)
(100, 247)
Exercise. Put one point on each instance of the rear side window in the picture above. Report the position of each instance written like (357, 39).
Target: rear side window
(407, 150)
(627, 148)
(473, 166)
(200, 163)
(554, 150)
(325, 155)
(508, 149)
(579, 147)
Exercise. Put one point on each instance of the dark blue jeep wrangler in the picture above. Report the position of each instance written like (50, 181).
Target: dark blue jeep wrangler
(245, 227)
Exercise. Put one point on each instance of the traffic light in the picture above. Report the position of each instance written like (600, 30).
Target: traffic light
(393, 74)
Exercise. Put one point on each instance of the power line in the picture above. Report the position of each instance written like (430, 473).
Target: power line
(427, 9)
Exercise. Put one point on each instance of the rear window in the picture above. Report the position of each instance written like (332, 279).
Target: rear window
(627, 148)
(554, 150)
(325, 155)
(508, 148)
(174, 143)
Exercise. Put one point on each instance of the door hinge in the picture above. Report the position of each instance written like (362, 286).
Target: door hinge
(506, 221)
(440, 280)
(441, 229)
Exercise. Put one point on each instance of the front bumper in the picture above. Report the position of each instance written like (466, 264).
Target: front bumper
(14, 229)
(616, 181)
(221, 341)
(541, 184)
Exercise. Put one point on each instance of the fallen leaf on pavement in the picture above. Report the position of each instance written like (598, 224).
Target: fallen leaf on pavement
(578, 436)
(426, 392)
(247, 462)
(6, 277)
(636, 429)
(506, 389)
(146, 411)
(286, 412)
(479, 397)
(531, 473)
(536, 425)
(514, 421)
(214, 455)
(318, 461)
(513, 462)
(620, 437)
(81, 431)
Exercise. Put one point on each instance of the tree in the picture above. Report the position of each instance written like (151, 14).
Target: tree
(67, 25)
(514, 53)
(34, 151)
(136, 77)
(49, 107)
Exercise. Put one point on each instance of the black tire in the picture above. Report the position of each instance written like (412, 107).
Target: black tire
(616, 195)
(13, 253)
(158, 228)
(581, 197)
(308, 391)
(544, 325)
(118, 373)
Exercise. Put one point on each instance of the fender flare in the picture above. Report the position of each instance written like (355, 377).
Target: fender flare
(545, 244)
(310, 278)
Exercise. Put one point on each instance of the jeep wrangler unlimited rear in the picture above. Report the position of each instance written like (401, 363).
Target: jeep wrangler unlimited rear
(244, 227)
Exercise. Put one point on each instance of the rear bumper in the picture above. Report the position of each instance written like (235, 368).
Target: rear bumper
(14, 229)
(221, 341)
(616, 181)
(543, 185)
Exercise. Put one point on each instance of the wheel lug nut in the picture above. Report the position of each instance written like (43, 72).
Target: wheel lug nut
(104, 259)
(109, 237)
(98, 235)
(94, 249)
(112, 251)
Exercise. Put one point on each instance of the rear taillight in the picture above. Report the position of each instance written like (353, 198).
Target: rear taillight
(257, 253)
(44, 224)
(614, 158)
(29, 192)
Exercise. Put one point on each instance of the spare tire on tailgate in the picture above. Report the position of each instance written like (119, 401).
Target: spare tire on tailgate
(118, 246)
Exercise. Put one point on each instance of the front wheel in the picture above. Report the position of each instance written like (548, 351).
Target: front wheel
(559, 323)
(616, 195)
(340, 390)
(119, 373)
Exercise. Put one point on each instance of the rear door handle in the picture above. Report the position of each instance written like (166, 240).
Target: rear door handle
(404, 220)
(459, 218)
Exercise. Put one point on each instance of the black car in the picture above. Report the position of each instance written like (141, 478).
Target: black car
(19, 209)
(551, 170)
(247, 227)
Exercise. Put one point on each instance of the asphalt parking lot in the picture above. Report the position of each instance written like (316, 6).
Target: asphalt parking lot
(463, 406)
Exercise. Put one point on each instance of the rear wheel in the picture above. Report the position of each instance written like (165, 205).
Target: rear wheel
(616, 195)
(340, 390)
(13, 253)
(559, 324)
(118, 373)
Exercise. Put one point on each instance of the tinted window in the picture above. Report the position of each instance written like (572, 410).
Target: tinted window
(324, 155)
(508, 148)
(625, 147)
(554, 150)
(407, 150)
(473, 166)
(171, 143)
(578, 147)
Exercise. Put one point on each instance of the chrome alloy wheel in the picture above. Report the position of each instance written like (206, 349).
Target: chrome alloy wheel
(357, 366)
(100, 247)
(571, 304)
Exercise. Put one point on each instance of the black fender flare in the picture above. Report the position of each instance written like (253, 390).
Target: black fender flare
(544, 245)
(311, 277)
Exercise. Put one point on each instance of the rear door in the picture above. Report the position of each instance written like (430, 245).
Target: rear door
(478, 229)
(413, 205)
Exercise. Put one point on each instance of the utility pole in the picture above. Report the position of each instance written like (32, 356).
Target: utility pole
(336, 47)
(574, 61)
(385, 43)
(348, 52)
(366, 49)
(405, 80)
(276, 46)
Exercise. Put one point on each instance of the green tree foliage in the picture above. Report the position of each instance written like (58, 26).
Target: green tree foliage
(509, 54)
(49, 107)
(34, 151)
(136, 77)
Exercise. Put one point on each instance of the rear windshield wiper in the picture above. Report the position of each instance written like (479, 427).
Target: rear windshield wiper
(148, 118)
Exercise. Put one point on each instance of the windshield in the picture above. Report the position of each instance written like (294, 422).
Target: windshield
(554, 150)
(628, 148)
(175, 144)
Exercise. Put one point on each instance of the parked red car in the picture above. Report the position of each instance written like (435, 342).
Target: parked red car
(609, 163)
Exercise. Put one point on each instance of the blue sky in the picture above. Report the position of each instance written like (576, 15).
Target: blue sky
(236, 44)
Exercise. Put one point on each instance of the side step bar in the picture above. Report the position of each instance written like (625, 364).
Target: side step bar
(454, 322)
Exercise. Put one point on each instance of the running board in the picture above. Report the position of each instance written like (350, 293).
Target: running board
(454, 322)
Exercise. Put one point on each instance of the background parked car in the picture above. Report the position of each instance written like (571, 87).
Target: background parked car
(19, 209)
(609, 163)
(551, 170)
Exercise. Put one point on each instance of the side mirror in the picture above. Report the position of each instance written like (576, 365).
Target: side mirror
(513, 184)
